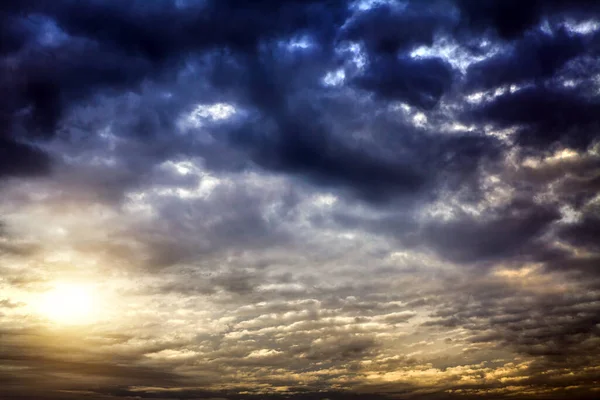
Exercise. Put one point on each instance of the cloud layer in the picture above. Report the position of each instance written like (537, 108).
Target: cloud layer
(301, 199)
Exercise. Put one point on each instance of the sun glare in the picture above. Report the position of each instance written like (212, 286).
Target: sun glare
(70, 304)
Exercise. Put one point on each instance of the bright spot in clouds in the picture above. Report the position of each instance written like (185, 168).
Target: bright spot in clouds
(207, 112)
(214, 111)
(335, 78)
(69, 304)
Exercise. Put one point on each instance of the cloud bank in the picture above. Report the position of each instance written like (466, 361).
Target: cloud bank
(301, 199)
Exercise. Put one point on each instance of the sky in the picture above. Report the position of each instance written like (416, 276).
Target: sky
(305, 200)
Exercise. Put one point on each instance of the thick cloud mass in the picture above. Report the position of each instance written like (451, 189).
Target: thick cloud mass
(537, 56)
(417, 82)
(300, 199)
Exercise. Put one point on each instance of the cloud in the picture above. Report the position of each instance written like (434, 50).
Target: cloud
(386, 29)
(563, 333)
(511, 19)
(537, 56)
(581, 234)
(419, 82)
(421, 226)
(544, 116)
(22, 160)
(506, 232)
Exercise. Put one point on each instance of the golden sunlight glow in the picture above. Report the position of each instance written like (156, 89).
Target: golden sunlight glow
(68, 303)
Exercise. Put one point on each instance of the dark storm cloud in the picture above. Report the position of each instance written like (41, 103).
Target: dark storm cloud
(554, 102)
(584, 233)
(388, 35)
(419, 82)
(108, 40)
(501, 234)
(148, 29)
(544, 116)
(510, 19)
(21, 159)
(108, 47)
(305, 149)
(535, 57)
(385, 29)
(113, 46)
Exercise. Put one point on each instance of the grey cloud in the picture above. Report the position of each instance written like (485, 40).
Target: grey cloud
(583, 234)
(507, 232)
(21, 159)
(558, 327)
(386, 29)
(261, 84)
(544, 116)
(419, 82)
(296, 245)
(511, 19)
(537, 56)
